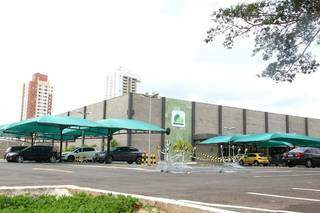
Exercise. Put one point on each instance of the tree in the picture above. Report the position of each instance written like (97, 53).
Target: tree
(284, 31)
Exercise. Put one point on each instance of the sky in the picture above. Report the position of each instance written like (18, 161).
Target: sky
(76, 42)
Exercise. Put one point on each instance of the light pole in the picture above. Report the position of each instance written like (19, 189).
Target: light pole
(85, 113)
(150, 96)
(228, 129)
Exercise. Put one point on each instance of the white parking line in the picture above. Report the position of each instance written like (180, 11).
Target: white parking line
(235, 207)
(52, 170)
(298, 175)
(286, 197)
(118, 167)
(304, 189)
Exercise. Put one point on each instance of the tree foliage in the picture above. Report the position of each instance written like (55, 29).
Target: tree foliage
(284, 31)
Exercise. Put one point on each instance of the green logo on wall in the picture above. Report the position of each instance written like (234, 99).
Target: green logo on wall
(178, 118)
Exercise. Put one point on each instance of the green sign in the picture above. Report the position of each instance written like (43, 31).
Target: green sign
(178, 118)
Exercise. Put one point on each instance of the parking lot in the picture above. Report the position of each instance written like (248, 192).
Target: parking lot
(252, 189)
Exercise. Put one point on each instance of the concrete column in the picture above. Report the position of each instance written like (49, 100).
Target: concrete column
(163, 124)
(130, 114)
(266, 122)
(104, 117)
(306, 123)
(220, 120)
(244, 121)
(287, 123)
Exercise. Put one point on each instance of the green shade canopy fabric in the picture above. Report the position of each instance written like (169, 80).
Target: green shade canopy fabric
(272, 143)
(222, 139)
(261, 140)
(295, 139)
(112, 126)
(129, 124)
(47, 125)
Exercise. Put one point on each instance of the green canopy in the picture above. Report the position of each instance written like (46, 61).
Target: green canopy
(112, 126)
(129, 124)
(222, 139)
(48, 126)
(272, 143)
(261, 140)
(295, 139)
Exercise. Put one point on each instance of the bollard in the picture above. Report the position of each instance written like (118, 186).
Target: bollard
(143, 160)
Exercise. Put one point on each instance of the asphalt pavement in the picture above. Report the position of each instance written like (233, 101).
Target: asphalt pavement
(252, 189)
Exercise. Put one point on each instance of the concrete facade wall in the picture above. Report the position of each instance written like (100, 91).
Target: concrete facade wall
(95, 111)
(141, 112)
(277, 122)
(118, 107)
(296, 125)
(232, 117)
(314, 127)
(255, 122)
(206, 118)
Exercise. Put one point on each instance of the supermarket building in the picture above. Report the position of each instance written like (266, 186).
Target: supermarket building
(189, 121)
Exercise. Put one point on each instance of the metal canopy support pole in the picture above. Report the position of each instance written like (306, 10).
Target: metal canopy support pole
(61, 140)
(32, 140)
(109, 144)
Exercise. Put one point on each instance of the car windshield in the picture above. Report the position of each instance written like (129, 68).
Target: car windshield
(300, 149)
(261, 154)
(75, 149)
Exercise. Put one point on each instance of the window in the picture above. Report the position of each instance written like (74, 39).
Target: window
(251, 155)
(88, 149)
(133, 149)
(124, 149)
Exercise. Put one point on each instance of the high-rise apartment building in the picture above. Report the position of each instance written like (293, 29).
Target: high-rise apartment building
(36, 97)
(121, 82)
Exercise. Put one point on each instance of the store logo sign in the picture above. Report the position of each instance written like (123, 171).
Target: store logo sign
(178, 118)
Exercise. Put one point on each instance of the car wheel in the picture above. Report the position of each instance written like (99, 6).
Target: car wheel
(53, 159)
(19, 159)
(109, 159)
(309, 163)
(129, 162)
(241, 162)
(255, 163)
(139, 160)
(70, 158)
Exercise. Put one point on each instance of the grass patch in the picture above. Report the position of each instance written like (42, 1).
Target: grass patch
(79, 202)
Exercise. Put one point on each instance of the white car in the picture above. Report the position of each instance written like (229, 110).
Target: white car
(86, 153)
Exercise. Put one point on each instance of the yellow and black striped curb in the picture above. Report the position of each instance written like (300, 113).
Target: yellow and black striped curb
(148, 161)
(215, 159)
(81, 159)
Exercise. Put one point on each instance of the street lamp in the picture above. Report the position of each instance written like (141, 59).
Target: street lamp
(228, 129)
(84, 115)
(150, 96)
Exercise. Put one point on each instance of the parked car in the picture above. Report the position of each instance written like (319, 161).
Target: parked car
(254, 159)
(308, 156)
(33, 153)
(123, 153)
(82, 152)
(13, 149)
